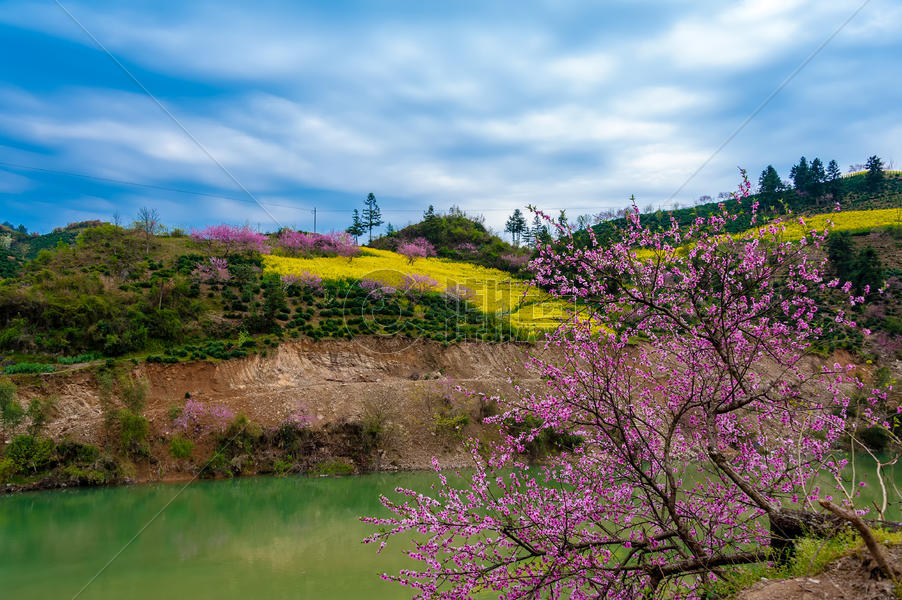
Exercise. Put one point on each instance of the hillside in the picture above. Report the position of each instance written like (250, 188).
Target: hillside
(854, 196)
(458, 237)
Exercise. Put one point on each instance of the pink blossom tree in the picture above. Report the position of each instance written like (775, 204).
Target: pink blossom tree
(214, 270)
(316, 244)
(416, 248)
(686, 378)
(232, 239)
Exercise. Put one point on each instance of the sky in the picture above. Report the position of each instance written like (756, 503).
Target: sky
(258, 113)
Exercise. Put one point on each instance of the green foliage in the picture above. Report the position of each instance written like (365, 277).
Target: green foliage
(28, 367)
(30, 453)
(81, 358)
(11, 412)
(453, 236)
(863, 268)
(7, 470)
(133, 393)
(133, 430)
(810, 557)
(333, 468)
(180, 447)
(38, 412)
(450, 423)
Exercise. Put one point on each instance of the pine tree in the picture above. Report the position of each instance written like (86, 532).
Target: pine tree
(515, 226)
(372, 216)
(769, 186)
(816, 178)
(799, 175)
(429, 214)
(389, 230)
(874, 176)
(834, 180)
(357, 227)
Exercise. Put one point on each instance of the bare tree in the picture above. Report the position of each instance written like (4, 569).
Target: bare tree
(117, 219)
(148, 222)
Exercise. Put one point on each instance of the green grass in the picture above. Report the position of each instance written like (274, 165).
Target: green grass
(811, 557)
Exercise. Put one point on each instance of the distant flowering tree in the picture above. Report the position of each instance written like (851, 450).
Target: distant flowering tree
(516, 261)
(692, 442)
(232, 239)
(310, 281)
(214, 270)
(199, 419)
(415, 284)
(467, 248)
(316, 244)
(377, 289)
(416, 248)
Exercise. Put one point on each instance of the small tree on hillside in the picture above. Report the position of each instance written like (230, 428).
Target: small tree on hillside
(769, 187)
(800, 176)
(148, 222)
(834, 180)
(357, 228)
(372, 216)
(874, 177)
(816, 179)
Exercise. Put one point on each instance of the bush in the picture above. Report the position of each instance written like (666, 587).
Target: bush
(30, 453)
(28, 368)
(133, 429)
(7, 470)
(450, 424)
(180, 447)
(333, 468)
(11, 412)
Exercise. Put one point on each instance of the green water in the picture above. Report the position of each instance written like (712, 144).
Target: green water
(263, 537)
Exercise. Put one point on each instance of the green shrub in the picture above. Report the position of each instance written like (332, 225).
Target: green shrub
(30, 453)
(28, 368)
(180, 447)
(450, 423)
(11, 412)
(333, 468)
(280, 468)
(133, 429)
(7, 470)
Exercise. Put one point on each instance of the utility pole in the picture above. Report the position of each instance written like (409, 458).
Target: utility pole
(314, 219)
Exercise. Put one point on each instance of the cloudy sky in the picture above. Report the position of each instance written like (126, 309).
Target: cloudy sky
(484, 105)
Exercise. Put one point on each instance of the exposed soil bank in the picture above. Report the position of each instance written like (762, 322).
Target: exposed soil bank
(336, 383)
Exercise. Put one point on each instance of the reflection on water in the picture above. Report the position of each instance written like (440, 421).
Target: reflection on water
(246, 538)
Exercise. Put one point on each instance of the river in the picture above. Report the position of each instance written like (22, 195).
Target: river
(262, 537)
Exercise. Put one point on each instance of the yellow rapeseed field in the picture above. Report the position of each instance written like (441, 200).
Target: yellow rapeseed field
(844, 221)
(494, 291)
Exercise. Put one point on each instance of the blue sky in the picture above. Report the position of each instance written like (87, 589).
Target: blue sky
(485, 105)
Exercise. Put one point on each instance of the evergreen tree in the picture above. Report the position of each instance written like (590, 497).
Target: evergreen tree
(372, 216)
(874, 176)
(834, 180)
(800, 175)
(515, 226)
(389, 230)
(769, 186)
(816, 178)
(867, 271)
(429, 214)
(841, 254)
(357, 227)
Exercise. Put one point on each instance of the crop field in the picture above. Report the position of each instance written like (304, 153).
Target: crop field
(852, 220)
(493, 291)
